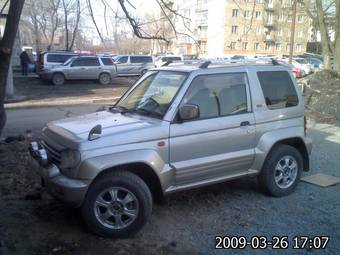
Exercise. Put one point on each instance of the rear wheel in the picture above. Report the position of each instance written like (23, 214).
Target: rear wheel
(118, 204)
(104, 79)
(58, 79)
(282, 171)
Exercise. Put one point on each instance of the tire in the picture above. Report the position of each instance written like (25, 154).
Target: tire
(58, 79)
(277, 175)
(123, 183)
(104, 79)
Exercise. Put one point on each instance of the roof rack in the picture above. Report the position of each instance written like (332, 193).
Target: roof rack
(206, 63)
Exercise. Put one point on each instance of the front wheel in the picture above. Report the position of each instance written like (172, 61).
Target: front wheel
(118, 204)
(104, 79)
(58, 79)
(282, 171)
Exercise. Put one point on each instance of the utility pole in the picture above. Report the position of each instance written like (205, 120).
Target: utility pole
(291, 49)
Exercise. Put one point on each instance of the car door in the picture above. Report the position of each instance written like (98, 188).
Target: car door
(77, 69)
(93, 68)
(220, 143)
(122, 64)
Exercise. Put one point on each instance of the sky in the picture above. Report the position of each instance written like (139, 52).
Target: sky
(143, 7)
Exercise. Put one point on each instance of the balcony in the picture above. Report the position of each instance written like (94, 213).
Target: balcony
(269, 39)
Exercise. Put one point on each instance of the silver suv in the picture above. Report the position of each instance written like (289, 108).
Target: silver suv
(82, 68)
(133, 64)
(179, 127)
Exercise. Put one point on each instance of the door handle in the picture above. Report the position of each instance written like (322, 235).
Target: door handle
(245, 123)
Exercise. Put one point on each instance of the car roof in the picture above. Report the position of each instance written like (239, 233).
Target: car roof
(60, 52)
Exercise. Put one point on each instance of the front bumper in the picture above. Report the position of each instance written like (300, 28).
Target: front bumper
(70, 191)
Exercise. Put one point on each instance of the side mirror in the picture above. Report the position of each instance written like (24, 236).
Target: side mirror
(189, 112)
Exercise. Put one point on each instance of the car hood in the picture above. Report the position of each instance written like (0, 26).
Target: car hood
(116, 128)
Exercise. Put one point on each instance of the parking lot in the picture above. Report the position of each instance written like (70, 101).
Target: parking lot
(31, 222)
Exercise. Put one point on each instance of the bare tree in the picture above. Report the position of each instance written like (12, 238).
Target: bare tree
(6, 46)
(71, 11)
(326, 18)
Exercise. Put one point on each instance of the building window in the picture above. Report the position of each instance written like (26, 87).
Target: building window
(300, 18)
(288, 47)
(256, 46)
(258, 14)
(235, 13)
(270, 19)
(289, 18)
(247, 14)
(299, 34)
(258, 30)
(289, 33)
(281, 17)
(298, 47)
(233, 45)
(279, 32)
(258, 1)
(267, 47)
(278, 46)
(244, 46)
(234, 29)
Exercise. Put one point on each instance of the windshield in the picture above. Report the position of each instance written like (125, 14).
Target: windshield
(69, 61)
(153, 95)
(301, 61)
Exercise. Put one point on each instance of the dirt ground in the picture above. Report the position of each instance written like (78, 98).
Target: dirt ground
(40, 93)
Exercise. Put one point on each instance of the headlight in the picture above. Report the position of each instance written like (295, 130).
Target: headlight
(69, 159)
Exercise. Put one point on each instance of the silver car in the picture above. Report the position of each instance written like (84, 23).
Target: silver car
(133, 64)
(82, 68)
(179, 127)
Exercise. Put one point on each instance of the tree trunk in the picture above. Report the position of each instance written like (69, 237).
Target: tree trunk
(325, 40)
(6, 45)
(337, 37)
(66, 25)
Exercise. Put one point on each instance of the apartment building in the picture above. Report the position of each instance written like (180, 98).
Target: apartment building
(192, 26)
(263, 27)
(241, 27)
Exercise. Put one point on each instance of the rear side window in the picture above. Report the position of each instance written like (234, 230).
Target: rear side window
(278, 89)
(141, 59)
(107, 61)
(86, 62)
(58, 58)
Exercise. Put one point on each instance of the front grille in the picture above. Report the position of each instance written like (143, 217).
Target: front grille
(53, 153)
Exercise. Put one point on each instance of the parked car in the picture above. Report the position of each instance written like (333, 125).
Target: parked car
(303, 65)
(161, 60)
(133, 64)
(314, 62)
(51, 59)
(177, 128)
(82, 68)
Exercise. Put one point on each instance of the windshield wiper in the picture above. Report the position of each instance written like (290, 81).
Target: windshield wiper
(120, 109)
(147, 112)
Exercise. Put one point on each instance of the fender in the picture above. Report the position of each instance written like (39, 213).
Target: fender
(91, 167)
(269, 139)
